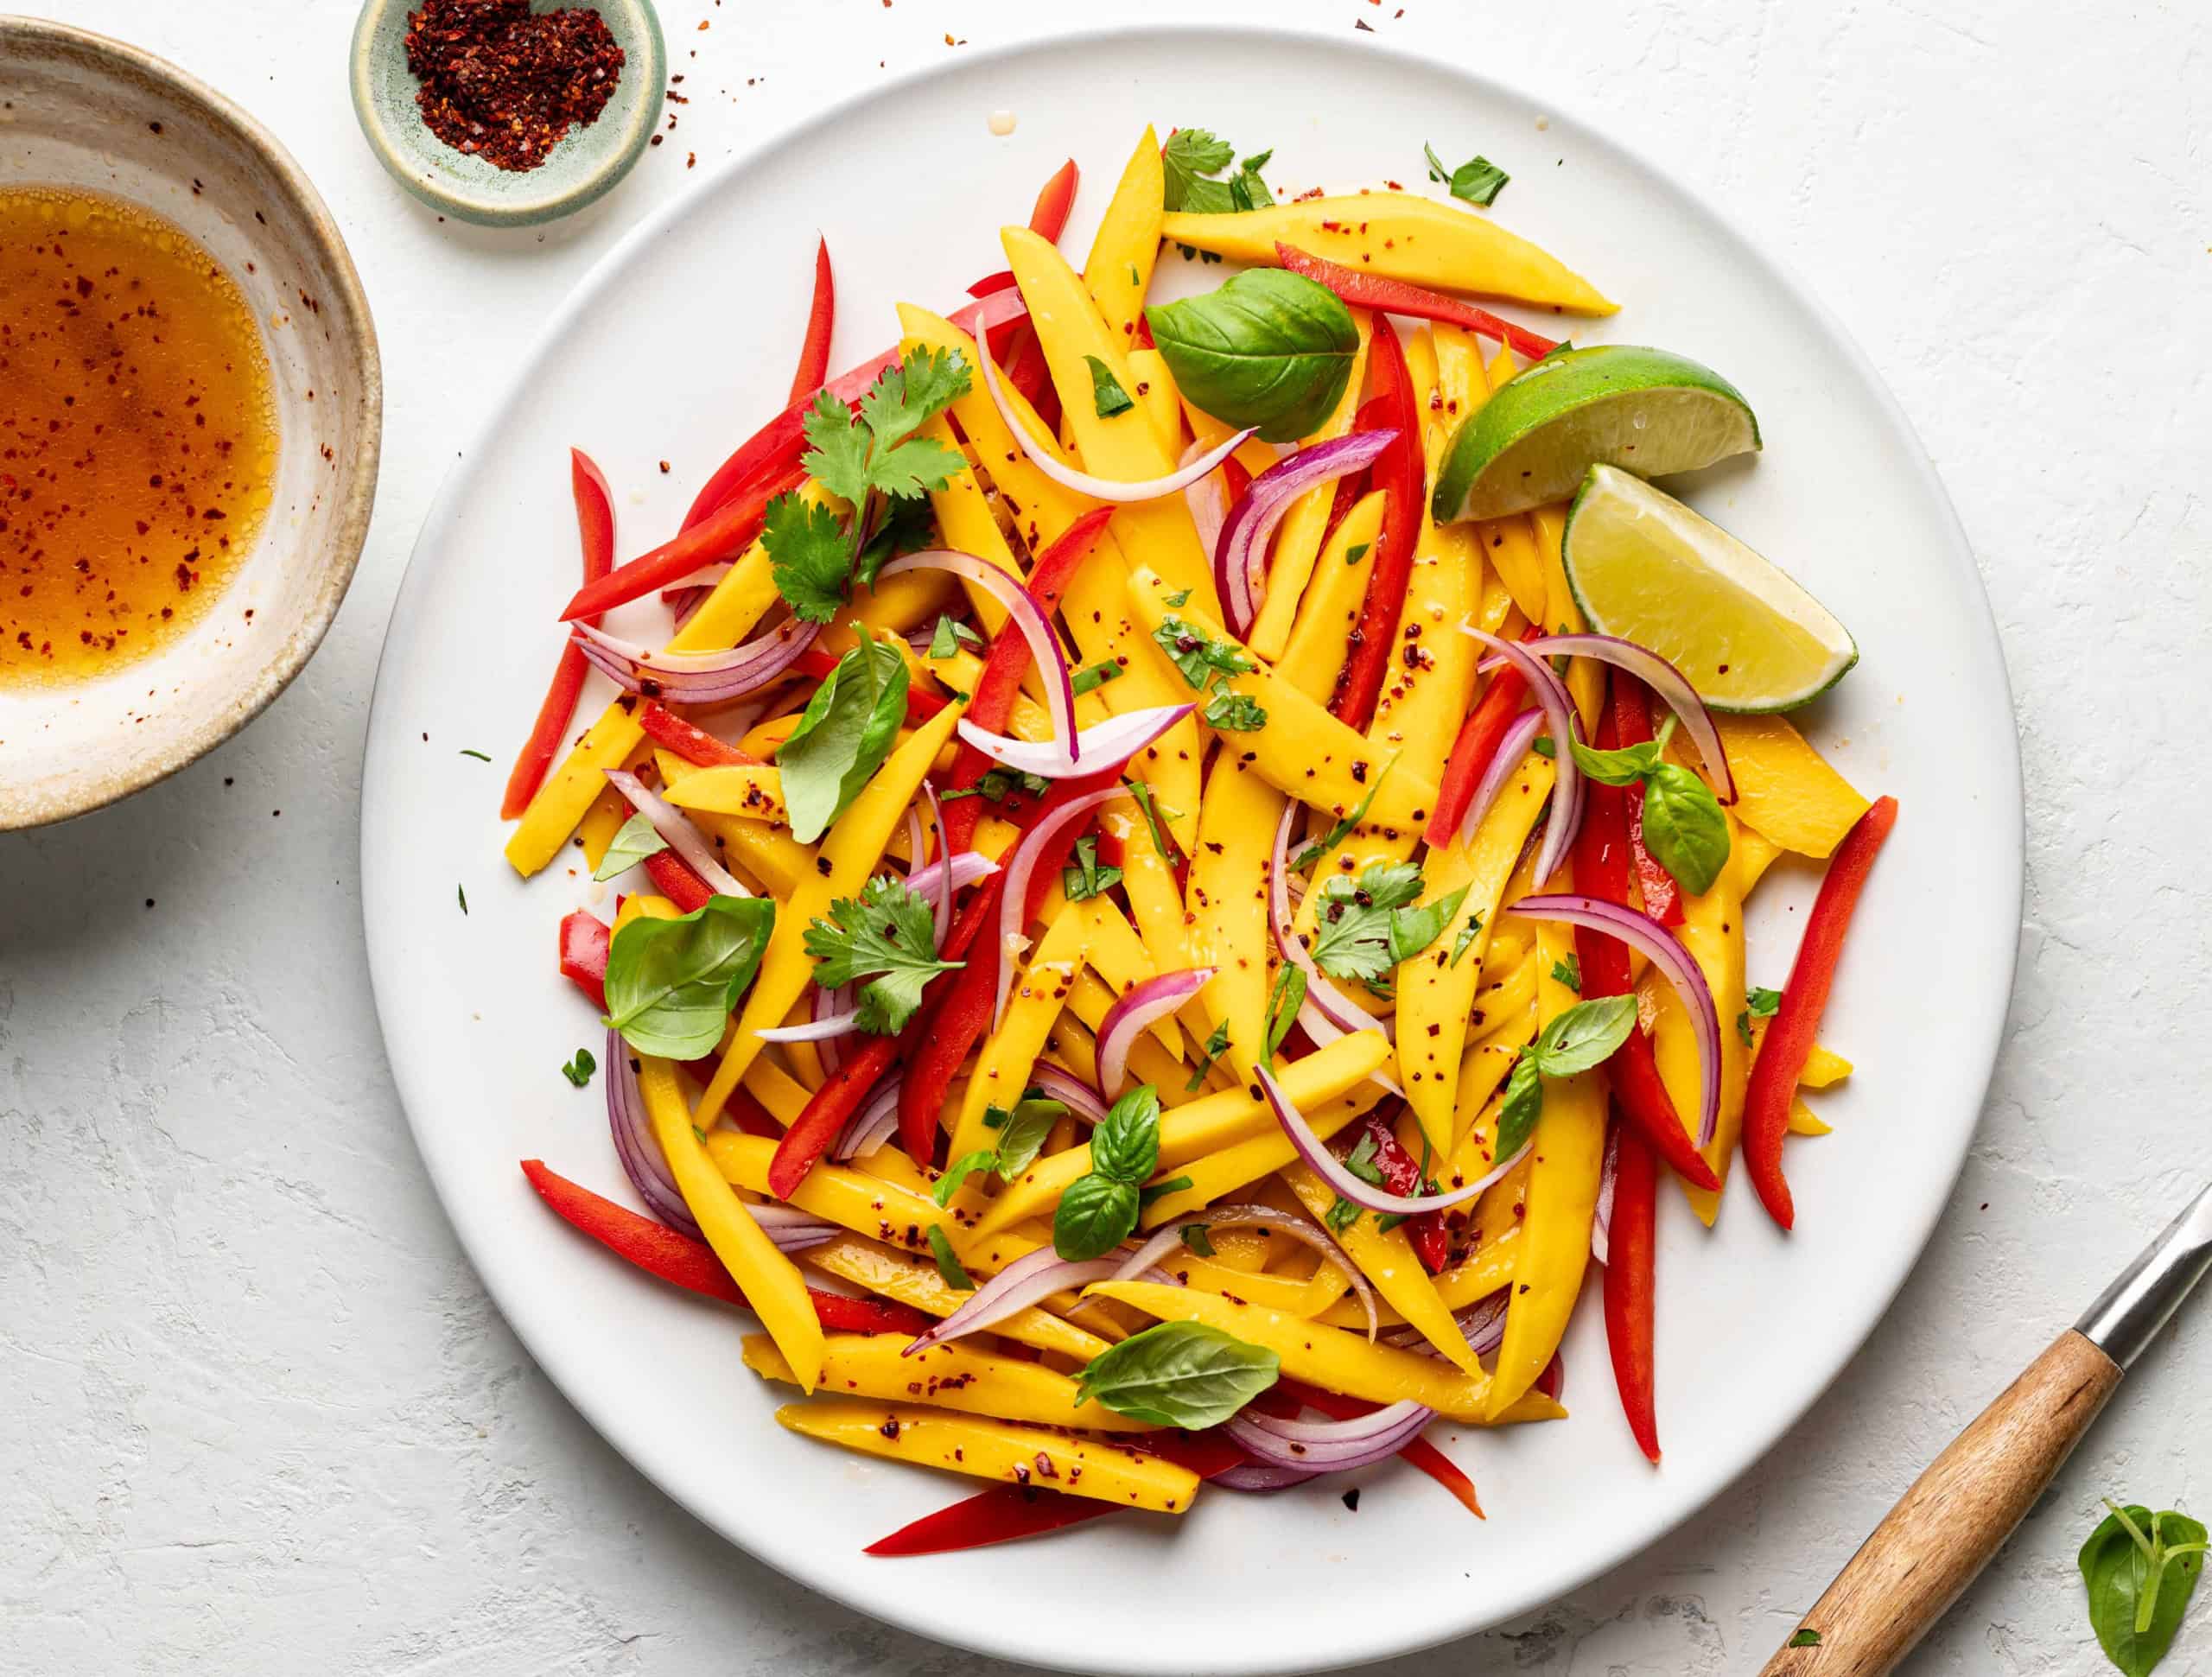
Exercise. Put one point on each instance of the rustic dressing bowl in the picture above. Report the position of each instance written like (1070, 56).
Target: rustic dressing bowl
(78, 110)
(583, 166)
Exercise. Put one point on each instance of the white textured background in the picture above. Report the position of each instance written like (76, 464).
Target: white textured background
(257, 1417)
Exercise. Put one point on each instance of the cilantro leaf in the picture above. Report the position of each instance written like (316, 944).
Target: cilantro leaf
(1191, 156)
(838, 448)
(907, 527)
(808, 556)
(1106, 393)
(1762, 1002)
(908, 391)
(886, 936)
(1358, 931)
(911, 469)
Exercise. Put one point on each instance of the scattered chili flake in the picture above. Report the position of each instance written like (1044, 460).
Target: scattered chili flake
(504, 83)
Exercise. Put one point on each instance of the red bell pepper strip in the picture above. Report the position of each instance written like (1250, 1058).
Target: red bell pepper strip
(1049, 219)
(1419, 1453)
(718, 535)
(992, 703)
(1789, 1040)
(673, 877)
(1392, 296)
(1630, 1288)
(1662, 895)
(595, 526)
(584, 940)
(1471, 751)
(1398, 471)
(688, 739)
(692, 1265)
(1001, 280)
(1601, 861)
(821, 318)
(1401, 1175)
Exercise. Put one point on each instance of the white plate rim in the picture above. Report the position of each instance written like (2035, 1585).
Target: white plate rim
(530, 1321)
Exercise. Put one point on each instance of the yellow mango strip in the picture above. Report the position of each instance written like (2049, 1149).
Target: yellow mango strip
(1298, 541)
(1071, 1047)
(1436, 995)
(1386, 1258)
(1398, 236)
(782, 1096)
(1258, 1156)
(1039, 992)
(955, 1376)
(601, 824)
(1123, 447)
(1803, 1122)
(1148, 876)
(723, 619)
(1012, 1454)
(1327, 1357)
(1156, 394)
(1495, 607)
(1420, 349)
(773, 1285)
(1286, 1293)
(1585, 677)
(1118, 271)
(1824, 1066)
(1303, 752)
(851, 850)
(1482, 1271)
(908, 1280)
(1119, 956)
(837, 1193)
(1228, 900)
(754, 791)
(1320, 636)
(1785, 790)
(1751, 856)
(965, 519)
(1204, 1125)
(770, 853)
(1244, 1250)
(1713, 931)
(1502, 1206)
(1565, 1162)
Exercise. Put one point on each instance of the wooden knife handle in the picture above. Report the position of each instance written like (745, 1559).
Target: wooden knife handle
(1943, 1532)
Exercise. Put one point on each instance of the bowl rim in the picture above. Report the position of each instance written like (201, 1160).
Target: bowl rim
(510, 208)
(347, 305)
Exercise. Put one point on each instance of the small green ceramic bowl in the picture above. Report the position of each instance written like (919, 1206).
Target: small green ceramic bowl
(584, 165)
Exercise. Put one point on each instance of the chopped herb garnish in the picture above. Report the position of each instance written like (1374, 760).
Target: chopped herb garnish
(1182, 597)
(1284, 1001)
(1197, 1238)
(1239, 712)
(461, 891)
(1744, 1027)
(1084, 878)
(1569, 973)
(579, 1069)
(1478, 181)
(1096, 675)
(1215, 1045)
(1154, 813)
(949, 1266)
(1106, 393)
(633, 842)
(1460, 946)
(1189, 160)
(1762, 1002)
(886, 936)
(1357, 552)
(1344, 829)
(478, 755)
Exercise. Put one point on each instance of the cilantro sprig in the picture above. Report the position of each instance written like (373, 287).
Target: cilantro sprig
(1190, 159)
(887, 936)
(1362, 929)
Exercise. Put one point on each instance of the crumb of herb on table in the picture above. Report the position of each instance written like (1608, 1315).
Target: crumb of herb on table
(505, 84)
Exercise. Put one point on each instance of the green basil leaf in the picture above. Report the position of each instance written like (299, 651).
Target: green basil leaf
(949, 1266)
(1153, 1191)
(2140, 1569)
(635, 840)
(1288, 996)
(1478, 181)
(1095, 1215)
(1023, 1137)
(843, 736)
(1197, 1239)
(1624, 767)
(671, 984)
(1268, 348)
(1584, 1036)
(1216, 1047)
(1125, 1148)
(983, 1159)
(1179, 1374)
(945, 640)
(1106, 393)
(1523, 1105)
(1683, 828)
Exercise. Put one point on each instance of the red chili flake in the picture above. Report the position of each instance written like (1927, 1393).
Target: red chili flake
(505, 84)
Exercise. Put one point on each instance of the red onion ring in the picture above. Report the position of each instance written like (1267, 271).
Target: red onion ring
(820, 1028)
(634, 1143)
(967, 866)
(1335, 1012)
(1208, 499)
(696, 677)
(1070, 1091)
(1258, 1476)
(1014, 892)
(1559, 712)
(1552, 1382)
(1022, 1283)
(682, 837)
(1674, 964)
(1672, 686)
(1105, 745)
(1519, 736)
(1100, 489)
(826, 1002)
(1258, 1217)
(1331, 1447)
(1365, 1194)
(1145, 1004)
(791, 1229)
(1601, 1225)
(1033, 621)
(872, 1125)
(1482, 1324)
(1240, 554)
(941, 910)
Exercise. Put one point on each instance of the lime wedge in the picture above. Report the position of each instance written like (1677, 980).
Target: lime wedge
(1612, 404)
(1644, 567)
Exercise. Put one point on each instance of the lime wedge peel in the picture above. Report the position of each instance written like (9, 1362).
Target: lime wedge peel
(1643, 566)
(1646, 410)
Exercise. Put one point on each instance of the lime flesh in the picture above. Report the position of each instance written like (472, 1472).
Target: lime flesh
(1645, 410)
(1645, 568)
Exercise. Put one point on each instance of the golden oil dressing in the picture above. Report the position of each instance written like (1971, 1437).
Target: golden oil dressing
(137, 433)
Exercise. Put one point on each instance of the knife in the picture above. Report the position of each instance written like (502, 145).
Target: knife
(1944, 1529)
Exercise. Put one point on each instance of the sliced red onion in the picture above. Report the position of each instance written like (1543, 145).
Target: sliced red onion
(681, 836)
(941, 910)
(1105, 745)
(1033, 622)
(872, 1125)
(791, 1229)
(1519, 736)
(696, 677)
(823, 1027)
(1100, 489)
(1365, 1194)
(1672, 686)
(967, 866)
(1022, 1283)
(1601, 1225)
(1259, 1475)
(1335, 1012)
(1674, 964)
(1013, 893)
(1552, 1382)
(705, 577)
(1331, 1446)
(685, 603)
(1208, 499)
(1559, 712)
(634, 1142)
(1482, 1324)
(1258, 1217)
(1144, 1005)
(1240, 554)
(824, 1004)
(1070, 1091)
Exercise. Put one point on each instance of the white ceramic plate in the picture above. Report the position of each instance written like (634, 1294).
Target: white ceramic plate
(679, 344)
